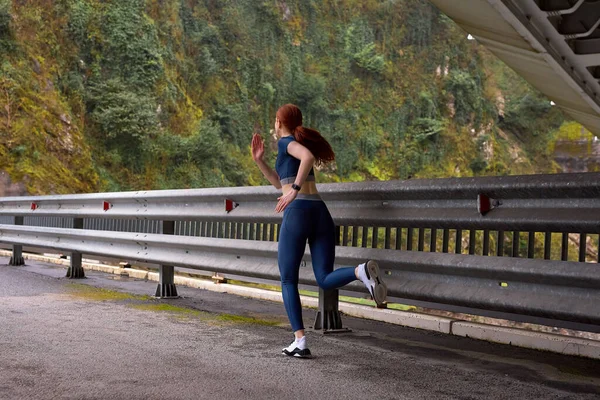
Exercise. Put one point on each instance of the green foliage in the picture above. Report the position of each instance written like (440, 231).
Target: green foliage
(168, 93)
(5, 17)
(6, 38)
(361, 49)
(368, 59)
(427, 105)
(309, 92)
(131, 44)
(39, 144)
(478, 165)
(423, 129)
(127, 121)
(573, 131)
(80, 15)
(234, 121)
(420, 24)
(467, 95)
(199, 160)
(534, 121)
(522, 115)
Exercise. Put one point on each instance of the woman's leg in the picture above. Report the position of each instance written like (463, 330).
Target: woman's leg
(322, 251)
(292, 243)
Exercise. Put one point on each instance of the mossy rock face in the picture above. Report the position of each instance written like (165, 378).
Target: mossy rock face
(43, 146)
(574, 149)
(112, 96)
(8, 188)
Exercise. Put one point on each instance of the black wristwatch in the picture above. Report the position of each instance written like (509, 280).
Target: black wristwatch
(295, 187)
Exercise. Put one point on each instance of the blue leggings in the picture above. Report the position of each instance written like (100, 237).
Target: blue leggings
(307, 220)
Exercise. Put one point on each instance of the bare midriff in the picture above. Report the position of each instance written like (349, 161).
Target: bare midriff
(309, 187)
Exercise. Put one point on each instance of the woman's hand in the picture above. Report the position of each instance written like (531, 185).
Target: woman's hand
(258, 148)
(285, 200)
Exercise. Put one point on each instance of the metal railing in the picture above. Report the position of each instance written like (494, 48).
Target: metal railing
(410, 226)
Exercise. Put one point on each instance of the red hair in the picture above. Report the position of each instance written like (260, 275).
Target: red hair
(291, 117)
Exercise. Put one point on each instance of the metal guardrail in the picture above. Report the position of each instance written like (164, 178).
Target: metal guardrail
(557, 290)
(379, 220)
(409, 215)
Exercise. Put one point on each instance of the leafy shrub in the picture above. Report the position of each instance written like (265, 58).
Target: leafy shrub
(78, 26)
(126, 120)
(467, 94)
(478, 165)
(424, 129)
(368, 59)
(420, 24)
(6, 39)
(521, 115)
(131, 47)
(360, 47)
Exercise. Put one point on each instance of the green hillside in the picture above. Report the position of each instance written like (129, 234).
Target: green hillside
(155, 94)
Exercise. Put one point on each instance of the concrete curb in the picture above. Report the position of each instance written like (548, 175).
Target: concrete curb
(491, 333)
(531, 340)
(397, 317)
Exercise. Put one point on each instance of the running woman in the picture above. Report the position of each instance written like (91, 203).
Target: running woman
(306, 218)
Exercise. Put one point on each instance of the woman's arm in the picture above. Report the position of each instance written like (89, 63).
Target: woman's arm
(269, 173)
(258, 152)
(307, 160)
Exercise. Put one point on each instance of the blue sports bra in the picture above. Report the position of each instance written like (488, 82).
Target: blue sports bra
(287, 165)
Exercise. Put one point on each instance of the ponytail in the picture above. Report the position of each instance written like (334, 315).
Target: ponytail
(316, 143)
(291, 117)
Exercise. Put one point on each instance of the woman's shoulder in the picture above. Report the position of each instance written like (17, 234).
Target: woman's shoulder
(284, 142)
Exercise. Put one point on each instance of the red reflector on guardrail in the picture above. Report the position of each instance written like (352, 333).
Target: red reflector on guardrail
(106, 205)
(483, 204)
(486, 203)
(230, 205)
(34, 206)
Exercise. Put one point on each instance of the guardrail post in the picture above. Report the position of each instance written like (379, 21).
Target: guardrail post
(17, 257)
(166, 281)
(75, 270)
(328, 317)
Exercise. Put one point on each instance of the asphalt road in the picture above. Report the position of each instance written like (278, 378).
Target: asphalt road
(63, 339)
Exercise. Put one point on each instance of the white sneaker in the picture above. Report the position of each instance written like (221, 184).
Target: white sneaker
(370, 275)
(297, 349)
